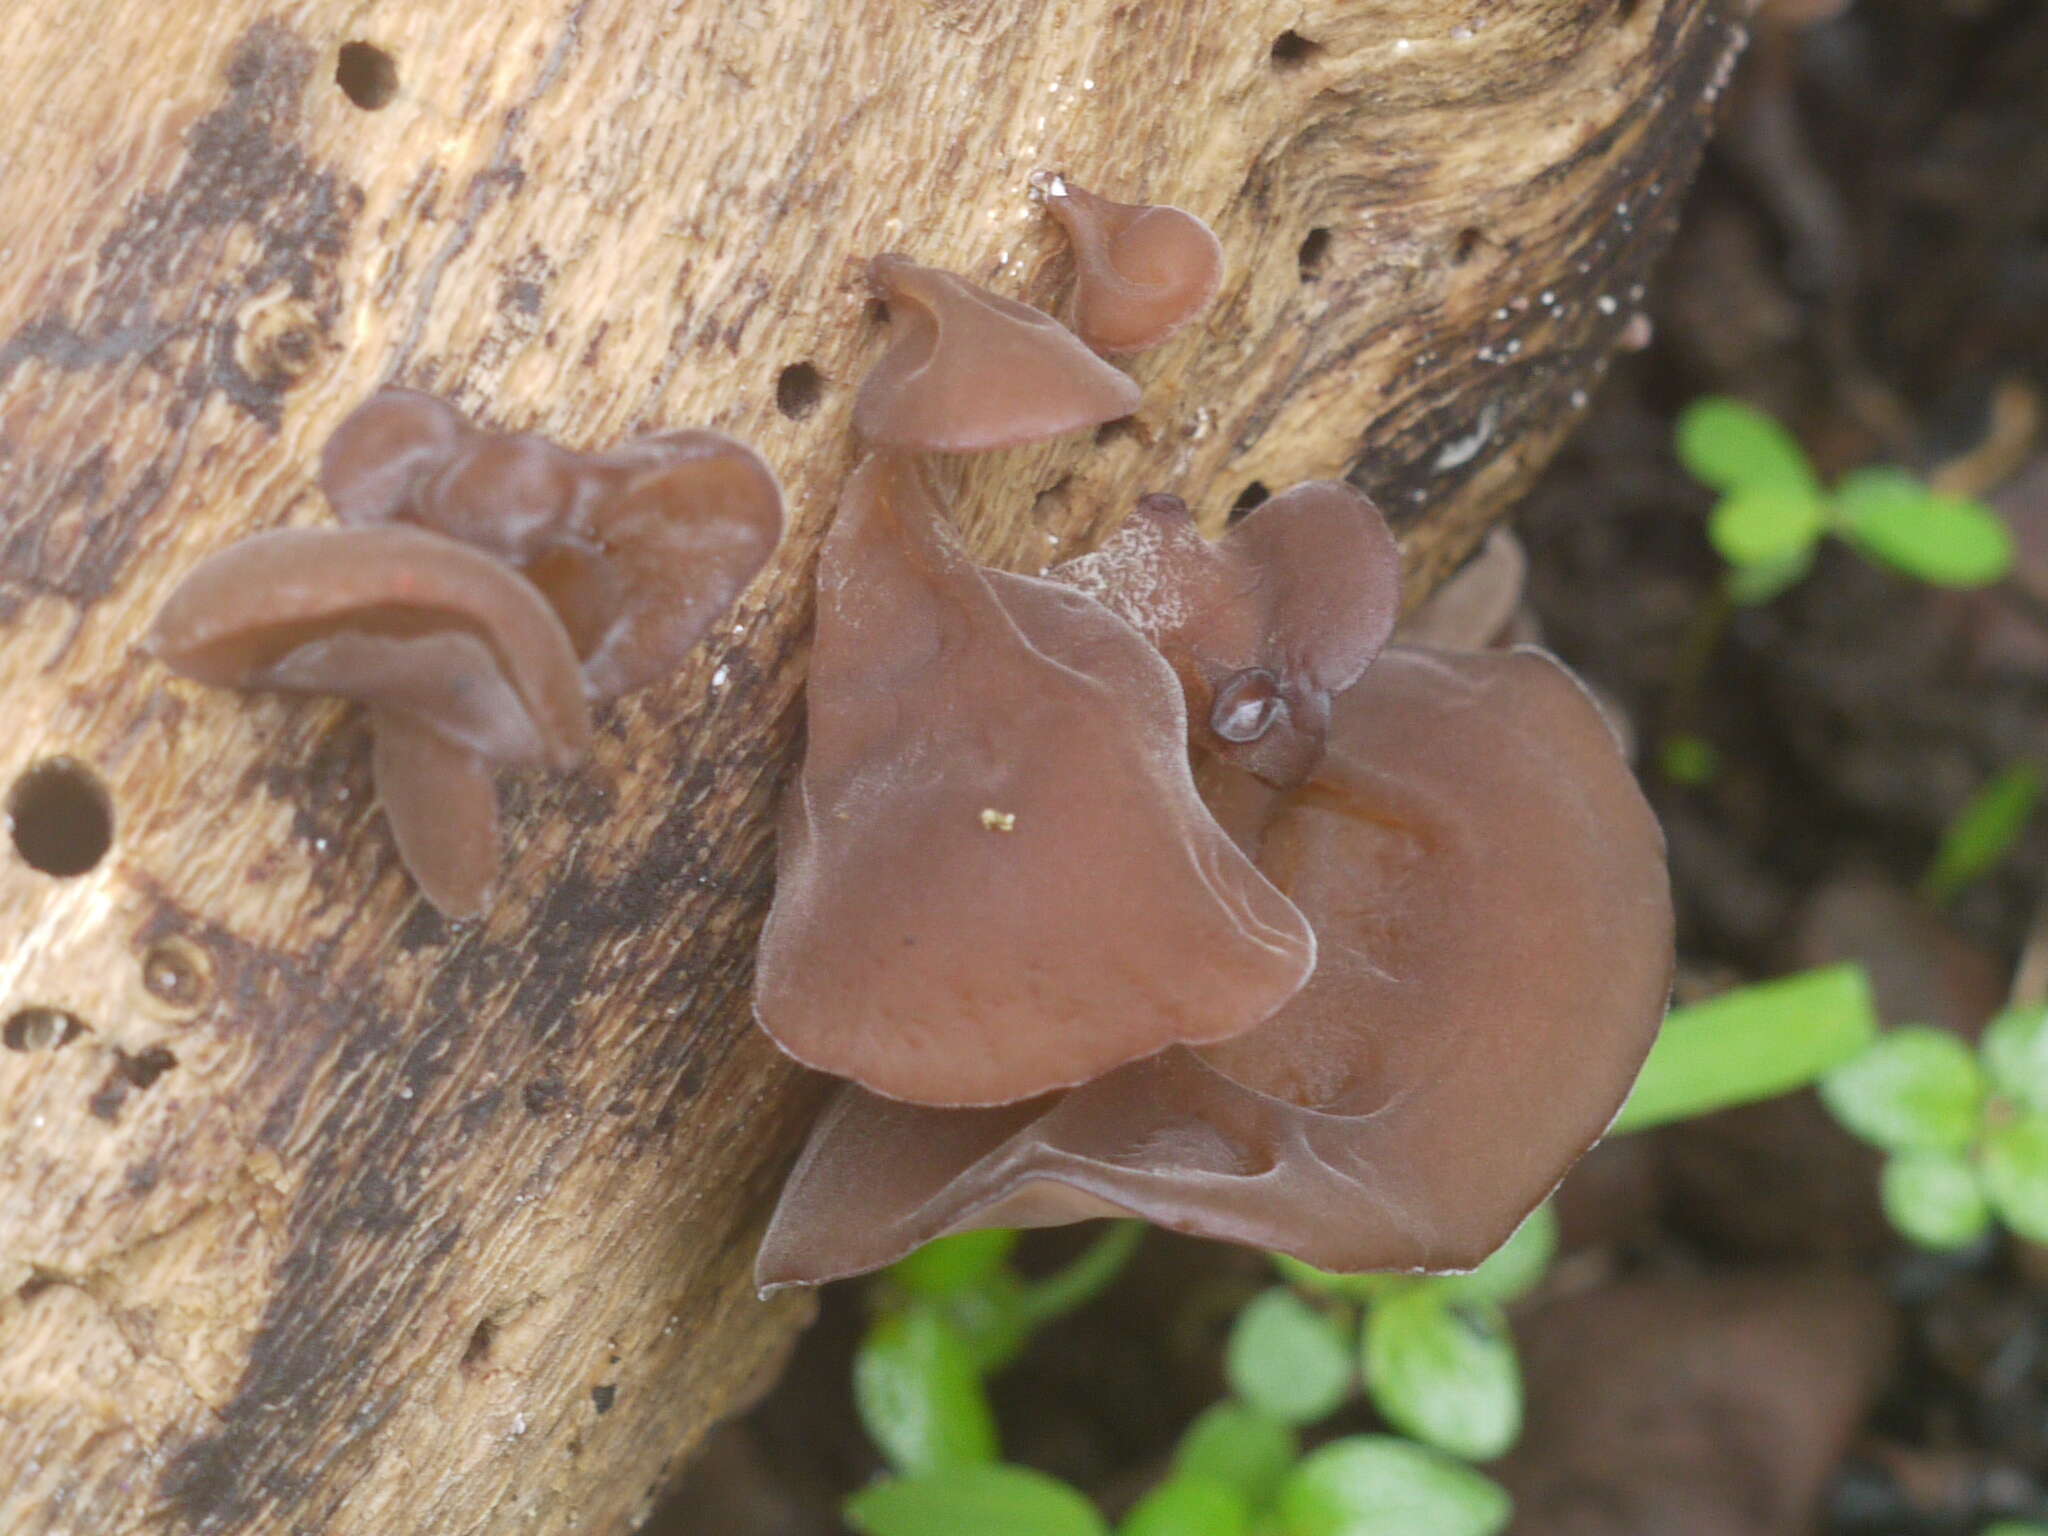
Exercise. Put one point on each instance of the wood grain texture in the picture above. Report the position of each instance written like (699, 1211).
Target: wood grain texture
(326, 1216)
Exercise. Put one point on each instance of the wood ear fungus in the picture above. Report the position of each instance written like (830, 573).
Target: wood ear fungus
(968, 370)
(1142, 271)
(1494, 938)
(485, 591)
(1263, 627)
(995, 877)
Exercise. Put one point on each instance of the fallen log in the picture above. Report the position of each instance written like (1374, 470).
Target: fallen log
(321, 1214)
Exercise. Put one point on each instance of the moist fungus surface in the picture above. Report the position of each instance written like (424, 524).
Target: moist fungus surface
(1142, 271)
(1265, 625)
(995, 876)
(638, 548)
(967, 370)
(1494, 924)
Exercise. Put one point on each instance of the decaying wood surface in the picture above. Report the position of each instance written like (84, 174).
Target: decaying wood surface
(320, 1215)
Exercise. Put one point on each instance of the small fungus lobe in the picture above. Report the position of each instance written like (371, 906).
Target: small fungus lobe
(968, 370)
(910, 951)
(638, 548)
(1144, 271)
(461, 661)
(387, 616)
(484, 590)
(1478, 606)
(1263, 627)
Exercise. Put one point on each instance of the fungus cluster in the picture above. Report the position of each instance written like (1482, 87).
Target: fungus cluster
(1164, 885)
(485, 591)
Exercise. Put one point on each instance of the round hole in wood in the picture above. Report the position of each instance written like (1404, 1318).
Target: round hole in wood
(60, 816)
(1314, 251)
(367, 75)
(39, 1029)
(798, 388)
(1291, 50)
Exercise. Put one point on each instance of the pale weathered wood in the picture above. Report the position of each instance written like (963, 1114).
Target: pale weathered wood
(337, 1218)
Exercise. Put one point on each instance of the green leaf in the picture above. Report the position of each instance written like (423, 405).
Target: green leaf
(1689, 760)
(919, 1395)
(1515, 1268)
(1750, 586)
(1287, 1358)
(2015, 1528)
(2015, 1052)
(1935, 1199)
(1444, 1370)
(1752, 1043)
(1982, 833)
(950, 1265)
(1188, 1506)
(1767, 526)
(991, 1320)
(1940, 540)
(2015, 1168)
(1730, 446)
(1377, 1485)
(1913, 1090)
(983, 1501)
(1324, 1282)
(1231, 1443)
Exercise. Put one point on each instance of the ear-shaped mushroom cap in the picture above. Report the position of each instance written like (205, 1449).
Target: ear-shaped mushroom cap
(443, 811)
(1144, 270)
(1477, 606)
(404, 456)
(995, 876)
(638, 548)
(1494, 924)
(1263, 627)
(388, 615)
(461, 661)
(968, 370)
(372, 467)
(686, 521)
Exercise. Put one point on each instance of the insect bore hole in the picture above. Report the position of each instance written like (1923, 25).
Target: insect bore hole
(60, 816)
(367, 75)
(798, 388)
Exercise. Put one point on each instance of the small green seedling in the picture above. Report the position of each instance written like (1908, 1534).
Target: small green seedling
(1774, 511)
(1768, 525)
(1983, 833)
(946, 1317)
(1443, 1369)
(1288, 1359)
(1437, 1360)
(1379, 1485)
(1689, 760)
(1965, 1132)
(1433, 1352)
(987, 1500)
